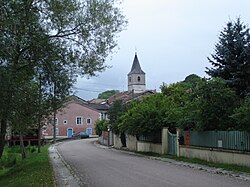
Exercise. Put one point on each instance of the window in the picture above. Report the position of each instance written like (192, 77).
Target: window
(88, 121)
(139, 78)
(65, 122)
(129, 79)
(78, 120)
(57, 131)
(101, 116)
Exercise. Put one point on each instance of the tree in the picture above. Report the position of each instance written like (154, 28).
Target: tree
(47, 38)
(101, 125)
(107, 94)
(23, 118)
(213, 104)
(179, 97)
(144, 117)
(231, 60)
(192, 78)
(241, 115)
(200, 104)
(117, 109)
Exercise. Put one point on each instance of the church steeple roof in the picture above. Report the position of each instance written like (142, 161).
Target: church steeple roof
(136, 68)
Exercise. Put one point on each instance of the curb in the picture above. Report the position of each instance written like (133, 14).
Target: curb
(64, 174)
(220, 171)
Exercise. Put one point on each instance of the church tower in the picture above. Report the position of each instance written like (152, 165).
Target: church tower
(136, 77)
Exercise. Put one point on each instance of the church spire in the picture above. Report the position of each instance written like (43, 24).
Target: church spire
(136, 77)
(136, 68)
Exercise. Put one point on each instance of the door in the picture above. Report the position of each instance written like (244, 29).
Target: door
(89, 131)
(172, 143)
(70, 132)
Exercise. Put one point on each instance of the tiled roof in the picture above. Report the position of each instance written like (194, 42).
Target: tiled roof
(97, 101)
(102, 107)
(93, 106)
(128, 96)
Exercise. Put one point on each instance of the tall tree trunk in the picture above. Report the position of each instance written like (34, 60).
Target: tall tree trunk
(22, 145)
(3, 125)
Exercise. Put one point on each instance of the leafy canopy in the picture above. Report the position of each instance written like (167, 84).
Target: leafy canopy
(101, 125)
(194, 103)
(51, 43)
(107, 94)
(117, 109)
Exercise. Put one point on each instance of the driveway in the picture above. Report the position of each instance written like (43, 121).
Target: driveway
(99, 166)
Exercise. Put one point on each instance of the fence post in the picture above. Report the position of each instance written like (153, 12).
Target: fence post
(178, 134)
(164, 141)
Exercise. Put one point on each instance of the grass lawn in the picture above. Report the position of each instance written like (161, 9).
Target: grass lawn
(35, 170)
(229, 167)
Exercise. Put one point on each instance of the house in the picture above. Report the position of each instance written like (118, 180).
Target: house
(76, 115)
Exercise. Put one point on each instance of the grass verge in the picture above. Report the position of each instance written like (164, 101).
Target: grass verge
(229, 167)
(35, 170)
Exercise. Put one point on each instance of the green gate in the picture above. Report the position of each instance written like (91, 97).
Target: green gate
(172, 144)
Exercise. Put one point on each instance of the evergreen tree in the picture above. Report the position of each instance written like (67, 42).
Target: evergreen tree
(231, 60)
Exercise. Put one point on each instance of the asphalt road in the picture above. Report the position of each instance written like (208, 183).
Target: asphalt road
(99, 166)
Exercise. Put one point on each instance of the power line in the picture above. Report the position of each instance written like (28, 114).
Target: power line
(88, 90)
(115, 85)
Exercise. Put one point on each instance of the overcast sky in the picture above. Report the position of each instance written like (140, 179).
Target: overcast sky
(173, 39)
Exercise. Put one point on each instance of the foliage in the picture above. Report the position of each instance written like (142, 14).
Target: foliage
(107, 94)
(192, 78)
(180, 111)
(213, 105)
(241, 115)
(145, 116)
(201, 104)
(194, 103)
(231, 60)
(44, 46)
(101, 125)
(116, 110)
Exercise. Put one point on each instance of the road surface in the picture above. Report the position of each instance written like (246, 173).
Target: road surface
(99, 166)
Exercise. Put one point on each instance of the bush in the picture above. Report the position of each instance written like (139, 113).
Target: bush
(241, 115)
(101, 125)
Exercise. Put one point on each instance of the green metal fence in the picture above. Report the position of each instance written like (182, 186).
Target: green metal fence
(153, 137)
(233, 140)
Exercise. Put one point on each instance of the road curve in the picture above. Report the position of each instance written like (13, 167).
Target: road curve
(99, 166)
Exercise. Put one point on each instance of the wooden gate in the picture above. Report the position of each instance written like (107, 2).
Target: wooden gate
(172, 143)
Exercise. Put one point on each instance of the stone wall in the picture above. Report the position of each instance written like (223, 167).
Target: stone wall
(131, 142)
(215, 155)
(149, 147)
(117, 141)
